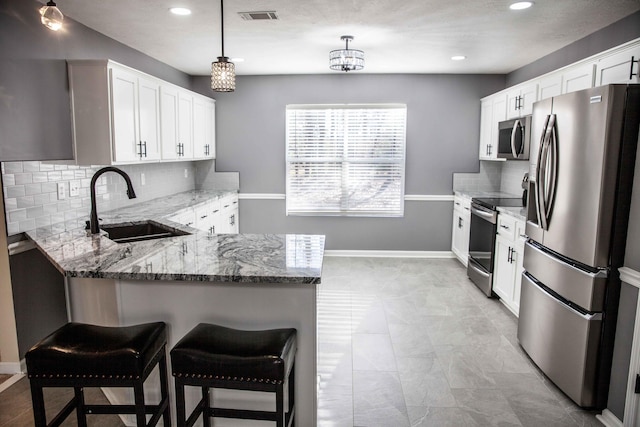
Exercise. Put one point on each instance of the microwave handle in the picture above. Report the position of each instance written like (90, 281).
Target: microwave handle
(516, 125)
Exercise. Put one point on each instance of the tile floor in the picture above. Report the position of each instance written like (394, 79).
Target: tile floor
(406, 342)
(409, 342)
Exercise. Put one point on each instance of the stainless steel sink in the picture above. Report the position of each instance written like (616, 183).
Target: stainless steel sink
(137, 232)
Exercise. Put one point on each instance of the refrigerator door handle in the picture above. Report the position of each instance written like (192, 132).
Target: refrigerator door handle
(516, 126)
(540, 174)
(552, 153)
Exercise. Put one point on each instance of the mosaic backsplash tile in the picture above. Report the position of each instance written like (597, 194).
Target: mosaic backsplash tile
(31, 190)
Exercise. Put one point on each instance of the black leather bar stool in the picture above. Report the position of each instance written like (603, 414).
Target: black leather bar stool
(79, 355)
(212, 356)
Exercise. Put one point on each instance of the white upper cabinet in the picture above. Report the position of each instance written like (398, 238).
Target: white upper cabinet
(203, 128)
(169, 122)
(550, 86)
(124, 115)
(148, 145)
(493, 111)
(120, 115)
(185, 125)
(620, 67)
(578, 77)
(520, 100)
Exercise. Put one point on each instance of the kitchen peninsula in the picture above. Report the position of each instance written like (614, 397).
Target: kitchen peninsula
(244, 281)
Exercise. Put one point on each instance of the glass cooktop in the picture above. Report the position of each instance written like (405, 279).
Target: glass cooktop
(494, 202)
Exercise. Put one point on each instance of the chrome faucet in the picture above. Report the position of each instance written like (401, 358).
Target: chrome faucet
(93, 219)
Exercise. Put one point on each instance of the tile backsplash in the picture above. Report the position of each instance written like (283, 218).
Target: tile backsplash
(31, 190)
(505, 177)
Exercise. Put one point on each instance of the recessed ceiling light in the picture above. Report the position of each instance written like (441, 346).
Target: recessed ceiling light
(521, 5)
(458, 58)
(182, 11)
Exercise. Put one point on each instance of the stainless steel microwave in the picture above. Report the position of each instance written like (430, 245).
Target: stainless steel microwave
(513, 138)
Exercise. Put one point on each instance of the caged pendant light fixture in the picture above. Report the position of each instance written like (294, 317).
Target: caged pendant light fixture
(51, 17)
(223, 71)
(346, 59)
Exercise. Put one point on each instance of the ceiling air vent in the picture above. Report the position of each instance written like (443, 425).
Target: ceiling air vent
(259, 16)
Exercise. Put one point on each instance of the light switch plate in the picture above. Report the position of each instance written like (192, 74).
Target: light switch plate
(74, 188)
(62, 191)
(143, 180)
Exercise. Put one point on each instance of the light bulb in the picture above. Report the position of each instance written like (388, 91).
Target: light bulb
(51, 17)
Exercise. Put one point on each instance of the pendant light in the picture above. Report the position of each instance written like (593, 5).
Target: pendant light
(51, 17)
(223, 71)
(346, 59)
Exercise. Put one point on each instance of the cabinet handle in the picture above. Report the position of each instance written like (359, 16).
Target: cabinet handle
(459, 222)
(145, 148)
(509, 257)
(139, 153)
(506, 227)
(203, 217)
(232, 219)
(631, 73)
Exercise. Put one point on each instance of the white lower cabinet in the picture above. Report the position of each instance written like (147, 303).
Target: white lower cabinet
(460, 228)
(507, 270)
(218, 216)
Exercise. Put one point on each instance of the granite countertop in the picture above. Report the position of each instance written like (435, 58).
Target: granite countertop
(200, 256)
(471, 194)
(518, 213)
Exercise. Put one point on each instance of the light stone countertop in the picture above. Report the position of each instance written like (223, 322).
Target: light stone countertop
(200, 256)
(518, 213)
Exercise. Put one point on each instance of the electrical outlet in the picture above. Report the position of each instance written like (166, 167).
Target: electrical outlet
(74, 188)
(143, 180)
(62, 191)
(186, 173)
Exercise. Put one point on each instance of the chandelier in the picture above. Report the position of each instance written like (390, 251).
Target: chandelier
(223, 71)
(346, 59)
(51, 17)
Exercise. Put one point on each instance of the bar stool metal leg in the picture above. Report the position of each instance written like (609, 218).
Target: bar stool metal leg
(81, 411)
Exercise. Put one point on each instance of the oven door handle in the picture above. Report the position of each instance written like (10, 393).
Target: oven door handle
(486, 215)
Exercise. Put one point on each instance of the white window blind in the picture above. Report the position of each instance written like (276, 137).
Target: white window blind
(346, 159)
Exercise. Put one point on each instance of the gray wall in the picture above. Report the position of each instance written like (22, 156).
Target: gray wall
(615, 34)
(443, 122)
(35, 123)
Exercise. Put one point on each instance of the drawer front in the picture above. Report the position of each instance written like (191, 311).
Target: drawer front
(507, 226)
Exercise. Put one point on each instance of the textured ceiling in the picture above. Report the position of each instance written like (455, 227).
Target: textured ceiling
(407, 36)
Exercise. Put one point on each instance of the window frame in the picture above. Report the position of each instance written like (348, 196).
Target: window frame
(345, 161)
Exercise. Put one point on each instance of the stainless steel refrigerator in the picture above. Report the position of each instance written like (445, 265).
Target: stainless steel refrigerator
(581, 172)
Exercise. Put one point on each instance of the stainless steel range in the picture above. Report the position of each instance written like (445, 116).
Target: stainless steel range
(482, 239)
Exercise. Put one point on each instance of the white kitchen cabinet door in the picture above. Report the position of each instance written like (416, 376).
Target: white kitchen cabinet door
(203, 128)
(520, 100)
(460, 229)
(185, 125)
(620, 67)
(187, 217)
(486, 126)
(124, 88)
(148, 145)
(550, 86)
(518, 257)
(508, 266)
(503, 270)
(169, 122)
(493, 110)
(578, 77)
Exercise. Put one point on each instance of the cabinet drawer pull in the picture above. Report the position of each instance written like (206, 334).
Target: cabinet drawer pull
(633, 61)
(506, 227)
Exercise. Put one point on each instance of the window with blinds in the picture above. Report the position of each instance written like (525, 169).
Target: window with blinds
(346, 159)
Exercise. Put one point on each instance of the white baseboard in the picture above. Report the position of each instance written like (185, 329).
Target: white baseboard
(11, 381)
(608, 419)
(10, 368)
(389, 254)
